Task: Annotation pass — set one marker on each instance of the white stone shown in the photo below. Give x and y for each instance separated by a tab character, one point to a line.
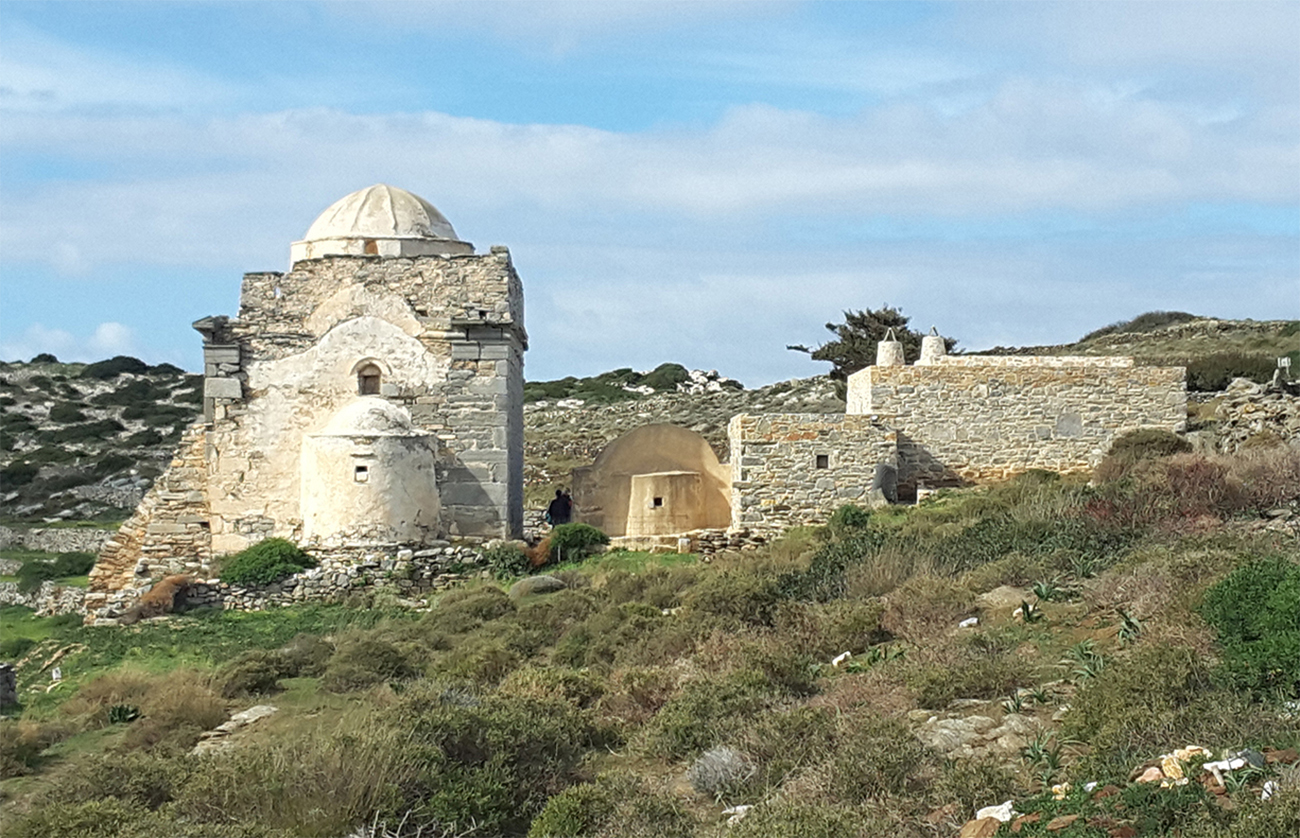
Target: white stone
1003	812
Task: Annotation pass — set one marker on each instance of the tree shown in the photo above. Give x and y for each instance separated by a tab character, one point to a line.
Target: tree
855	341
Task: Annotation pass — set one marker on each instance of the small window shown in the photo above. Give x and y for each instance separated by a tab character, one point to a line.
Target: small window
372	249
823	461
361	474
657	502
368	378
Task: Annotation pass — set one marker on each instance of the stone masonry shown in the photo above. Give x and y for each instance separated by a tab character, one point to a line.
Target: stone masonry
973	419
790	469
944	421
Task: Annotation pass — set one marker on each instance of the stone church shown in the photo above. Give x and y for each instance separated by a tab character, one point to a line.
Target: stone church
372	395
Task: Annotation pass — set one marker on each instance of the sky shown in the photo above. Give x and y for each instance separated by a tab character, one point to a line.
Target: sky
698	182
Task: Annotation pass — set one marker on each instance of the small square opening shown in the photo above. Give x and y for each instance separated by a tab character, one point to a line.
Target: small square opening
657	502
361	474
823	461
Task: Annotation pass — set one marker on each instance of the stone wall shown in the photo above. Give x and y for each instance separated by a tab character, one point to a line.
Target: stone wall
55	539
48	600
407	575
985	418
168	533
792	469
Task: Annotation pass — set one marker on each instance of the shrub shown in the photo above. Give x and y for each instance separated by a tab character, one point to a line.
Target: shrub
507	560
574	542
704	713
720	773
86	432
255	671
21	744
13	648
847	519
114	367
175	710
803	819
265	562
1148	322
876	756
66	412
364	662
926	605
1256	611
44	358
733	599
33	573
977	676
465	609
495	762
1212	373
306	655
972	783
17	474
577	812
613	807
578	687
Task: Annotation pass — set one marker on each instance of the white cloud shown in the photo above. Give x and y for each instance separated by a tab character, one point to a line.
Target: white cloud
108	339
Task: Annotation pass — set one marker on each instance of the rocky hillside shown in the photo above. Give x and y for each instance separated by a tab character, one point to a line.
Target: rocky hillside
84	441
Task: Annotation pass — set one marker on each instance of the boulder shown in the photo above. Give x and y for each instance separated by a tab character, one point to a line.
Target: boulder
536	585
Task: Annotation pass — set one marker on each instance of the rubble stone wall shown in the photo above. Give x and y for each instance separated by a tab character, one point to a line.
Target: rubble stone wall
55	539
168	533
986	418
793	469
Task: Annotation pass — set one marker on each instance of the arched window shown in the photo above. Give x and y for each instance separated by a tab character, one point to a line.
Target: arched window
368	379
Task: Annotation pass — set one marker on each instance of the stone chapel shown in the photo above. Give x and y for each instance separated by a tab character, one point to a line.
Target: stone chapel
372	395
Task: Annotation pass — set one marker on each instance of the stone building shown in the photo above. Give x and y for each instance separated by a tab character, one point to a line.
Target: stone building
944	421
372	394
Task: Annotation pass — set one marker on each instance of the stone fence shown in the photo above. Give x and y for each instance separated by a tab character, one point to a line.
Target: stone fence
407	575
48	600
55	539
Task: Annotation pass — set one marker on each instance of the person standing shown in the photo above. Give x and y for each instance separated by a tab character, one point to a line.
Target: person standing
561	509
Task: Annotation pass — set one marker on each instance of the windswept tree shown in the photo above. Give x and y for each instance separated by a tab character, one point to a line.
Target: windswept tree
854	346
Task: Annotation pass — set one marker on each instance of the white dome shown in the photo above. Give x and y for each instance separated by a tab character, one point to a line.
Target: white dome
380	220
381	211
370	416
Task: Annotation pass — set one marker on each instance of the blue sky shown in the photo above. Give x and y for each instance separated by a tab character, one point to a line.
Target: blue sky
698	182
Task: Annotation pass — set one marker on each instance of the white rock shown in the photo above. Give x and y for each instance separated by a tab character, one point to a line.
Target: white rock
1004	812
969	622
841	658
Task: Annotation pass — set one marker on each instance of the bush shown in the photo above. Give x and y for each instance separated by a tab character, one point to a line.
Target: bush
265	562
254	672
66	412
1256	611
114	367
802	819
364	662
977	676
465	609
33	573
1148	322
507	560
574	542
1212	373
703	714
17	474
21	744
613	807
877	756
13	648
86	432
494	762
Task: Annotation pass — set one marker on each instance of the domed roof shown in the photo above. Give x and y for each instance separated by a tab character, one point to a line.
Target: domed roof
381	211
370	416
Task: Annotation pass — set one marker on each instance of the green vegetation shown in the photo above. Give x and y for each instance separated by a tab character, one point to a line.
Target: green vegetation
1213	372
1148	322
114	367
608	386
854	346
573	542
267	561
41	567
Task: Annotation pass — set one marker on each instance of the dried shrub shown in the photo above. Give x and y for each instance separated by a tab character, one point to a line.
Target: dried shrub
703	714
161	599
721	773
637	693
255	672
792	818
91	702
175	710
465	609
21	744
972	675
578	687
1269	476
875	757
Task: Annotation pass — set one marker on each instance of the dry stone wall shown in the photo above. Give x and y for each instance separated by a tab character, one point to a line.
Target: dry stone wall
791	469
984	418
55	539
168	533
